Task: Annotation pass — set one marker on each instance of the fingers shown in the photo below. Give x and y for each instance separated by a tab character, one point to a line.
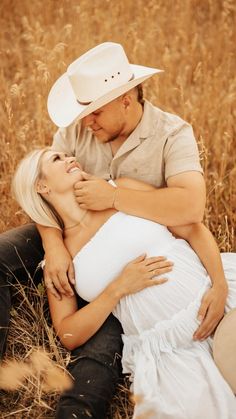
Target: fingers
81	198
71	273
203	310
79	193
78	188
59	283
50	287
87	176
153	259
207	326
159	268
140	258
153	266
210	313
158	281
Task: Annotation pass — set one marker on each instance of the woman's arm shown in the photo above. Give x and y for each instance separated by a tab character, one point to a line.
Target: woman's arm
74	327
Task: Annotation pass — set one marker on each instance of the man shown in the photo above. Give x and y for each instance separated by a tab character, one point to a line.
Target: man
114	133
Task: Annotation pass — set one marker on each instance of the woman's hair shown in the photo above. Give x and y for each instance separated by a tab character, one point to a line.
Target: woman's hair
24	184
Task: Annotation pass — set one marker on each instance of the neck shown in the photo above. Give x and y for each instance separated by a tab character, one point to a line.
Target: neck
135	117
69	210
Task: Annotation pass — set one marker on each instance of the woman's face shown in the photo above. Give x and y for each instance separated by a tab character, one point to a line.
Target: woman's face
59	172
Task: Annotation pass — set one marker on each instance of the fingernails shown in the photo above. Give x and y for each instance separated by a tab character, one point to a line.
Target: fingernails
200	318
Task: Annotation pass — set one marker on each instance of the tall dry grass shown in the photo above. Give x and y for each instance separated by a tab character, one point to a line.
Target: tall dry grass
192	40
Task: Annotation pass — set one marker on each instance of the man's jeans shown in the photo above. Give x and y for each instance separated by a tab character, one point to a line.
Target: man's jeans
95	365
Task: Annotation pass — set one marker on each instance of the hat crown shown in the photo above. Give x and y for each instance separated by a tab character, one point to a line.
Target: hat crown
98	71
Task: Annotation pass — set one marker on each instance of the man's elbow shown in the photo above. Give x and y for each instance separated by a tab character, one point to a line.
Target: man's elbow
195	207
196	215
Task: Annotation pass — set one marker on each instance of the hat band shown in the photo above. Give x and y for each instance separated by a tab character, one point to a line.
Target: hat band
88	103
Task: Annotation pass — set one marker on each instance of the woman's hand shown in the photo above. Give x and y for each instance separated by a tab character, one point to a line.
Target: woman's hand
59	271
141	273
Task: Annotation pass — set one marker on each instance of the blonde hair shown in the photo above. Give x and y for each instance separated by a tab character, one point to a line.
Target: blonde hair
24	190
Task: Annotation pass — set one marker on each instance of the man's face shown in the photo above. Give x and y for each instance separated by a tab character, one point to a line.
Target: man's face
107	123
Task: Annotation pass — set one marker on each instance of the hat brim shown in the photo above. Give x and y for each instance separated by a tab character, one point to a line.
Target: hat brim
224	348
63	108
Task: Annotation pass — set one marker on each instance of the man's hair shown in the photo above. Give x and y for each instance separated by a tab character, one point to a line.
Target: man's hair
24	186
140	98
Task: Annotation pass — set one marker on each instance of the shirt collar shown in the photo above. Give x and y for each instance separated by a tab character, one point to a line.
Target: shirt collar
148	121
144	130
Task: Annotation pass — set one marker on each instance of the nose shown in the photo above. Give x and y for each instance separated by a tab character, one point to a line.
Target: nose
70	159
88	120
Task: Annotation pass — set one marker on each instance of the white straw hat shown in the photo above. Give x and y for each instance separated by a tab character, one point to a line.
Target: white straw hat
224	348
96	78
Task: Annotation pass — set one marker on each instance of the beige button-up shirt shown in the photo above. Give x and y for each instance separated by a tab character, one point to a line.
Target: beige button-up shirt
162	145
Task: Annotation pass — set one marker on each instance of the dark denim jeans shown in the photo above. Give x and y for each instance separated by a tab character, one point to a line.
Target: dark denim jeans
95	366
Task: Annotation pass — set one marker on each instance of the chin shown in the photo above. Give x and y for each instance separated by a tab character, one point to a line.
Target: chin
101	137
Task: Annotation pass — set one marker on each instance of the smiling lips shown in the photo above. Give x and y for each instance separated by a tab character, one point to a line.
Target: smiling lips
73	168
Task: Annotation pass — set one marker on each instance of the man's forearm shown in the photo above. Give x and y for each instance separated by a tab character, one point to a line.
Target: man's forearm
203	243
181	202
170	206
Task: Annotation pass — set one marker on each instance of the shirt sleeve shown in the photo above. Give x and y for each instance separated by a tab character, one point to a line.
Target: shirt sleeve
181	152
65	139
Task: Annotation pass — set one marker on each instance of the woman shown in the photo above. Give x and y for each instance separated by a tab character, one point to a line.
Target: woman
173	375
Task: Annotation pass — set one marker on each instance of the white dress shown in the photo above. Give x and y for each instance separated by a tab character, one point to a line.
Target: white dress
172	375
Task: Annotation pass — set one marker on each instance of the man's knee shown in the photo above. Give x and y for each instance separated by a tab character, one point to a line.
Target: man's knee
93	388
20	249
105	346
96	369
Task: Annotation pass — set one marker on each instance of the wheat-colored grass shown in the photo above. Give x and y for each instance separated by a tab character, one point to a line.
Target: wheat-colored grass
192	40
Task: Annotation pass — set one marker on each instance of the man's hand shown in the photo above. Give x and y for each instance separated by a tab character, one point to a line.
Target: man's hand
59	272
94	194
211	311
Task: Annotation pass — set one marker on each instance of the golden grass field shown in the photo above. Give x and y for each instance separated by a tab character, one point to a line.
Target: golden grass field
192	40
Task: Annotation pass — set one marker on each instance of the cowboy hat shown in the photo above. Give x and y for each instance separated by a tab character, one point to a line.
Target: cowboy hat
224	348
96	78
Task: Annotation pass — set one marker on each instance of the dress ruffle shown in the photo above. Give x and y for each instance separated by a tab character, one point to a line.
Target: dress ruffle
174	377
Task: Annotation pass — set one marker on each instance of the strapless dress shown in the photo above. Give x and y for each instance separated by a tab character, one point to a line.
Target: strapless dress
172	375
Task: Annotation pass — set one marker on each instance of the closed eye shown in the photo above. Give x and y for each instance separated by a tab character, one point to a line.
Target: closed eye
59	156
56	157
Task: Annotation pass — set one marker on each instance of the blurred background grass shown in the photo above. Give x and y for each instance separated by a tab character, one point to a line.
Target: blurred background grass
192	40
